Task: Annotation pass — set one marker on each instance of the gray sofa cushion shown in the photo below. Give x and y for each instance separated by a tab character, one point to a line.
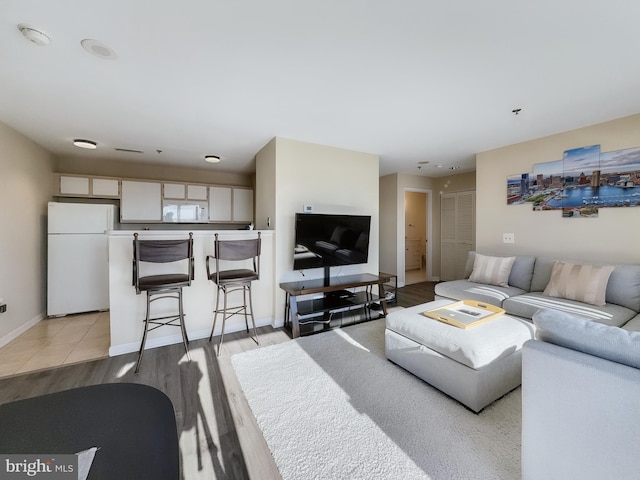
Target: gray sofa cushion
521	271
466	290
528	304
541	274
623	287
633	325
581	334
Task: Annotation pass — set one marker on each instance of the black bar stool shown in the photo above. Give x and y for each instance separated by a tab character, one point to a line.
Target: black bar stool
233	280
167	285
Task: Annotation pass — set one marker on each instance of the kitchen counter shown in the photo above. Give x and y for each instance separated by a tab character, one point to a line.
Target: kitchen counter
127	309
185	227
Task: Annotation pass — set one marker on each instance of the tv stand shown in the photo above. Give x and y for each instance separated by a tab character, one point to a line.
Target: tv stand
336	302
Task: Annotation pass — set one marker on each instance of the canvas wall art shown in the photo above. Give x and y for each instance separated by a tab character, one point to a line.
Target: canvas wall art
585	180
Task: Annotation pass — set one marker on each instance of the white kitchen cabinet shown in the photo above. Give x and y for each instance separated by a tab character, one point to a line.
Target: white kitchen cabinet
181	191
196	192
220	204
85	186
140	201
230	204
105	187
242	205
73	185
174	191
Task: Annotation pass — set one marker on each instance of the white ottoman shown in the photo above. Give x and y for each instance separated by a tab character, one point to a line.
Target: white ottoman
475	366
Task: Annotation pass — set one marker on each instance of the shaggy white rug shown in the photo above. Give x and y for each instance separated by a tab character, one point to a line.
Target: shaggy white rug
331	406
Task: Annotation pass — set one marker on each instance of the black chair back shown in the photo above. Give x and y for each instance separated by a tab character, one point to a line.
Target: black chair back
237	250
162	251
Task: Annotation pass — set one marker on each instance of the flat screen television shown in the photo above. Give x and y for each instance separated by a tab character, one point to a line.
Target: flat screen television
329	240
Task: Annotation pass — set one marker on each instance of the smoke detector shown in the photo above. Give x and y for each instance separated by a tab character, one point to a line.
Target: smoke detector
98	49
34	35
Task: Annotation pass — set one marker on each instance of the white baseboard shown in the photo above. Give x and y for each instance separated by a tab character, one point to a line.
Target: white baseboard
21	329
125	348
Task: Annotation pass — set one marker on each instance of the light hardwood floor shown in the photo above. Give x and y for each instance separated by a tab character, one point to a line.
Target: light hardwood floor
218	434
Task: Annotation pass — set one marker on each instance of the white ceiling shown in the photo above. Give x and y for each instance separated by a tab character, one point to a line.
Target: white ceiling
411	80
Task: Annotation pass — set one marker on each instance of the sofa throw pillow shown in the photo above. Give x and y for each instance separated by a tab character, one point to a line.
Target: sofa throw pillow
582	283
584	335
491	270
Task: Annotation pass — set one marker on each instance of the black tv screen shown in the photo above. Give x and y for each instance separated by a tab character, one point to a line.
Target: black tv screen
325	240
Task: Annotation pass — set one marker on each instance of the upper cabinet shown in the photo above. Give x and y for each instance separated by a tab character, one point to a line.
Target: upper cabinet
184	191
230	204
242	205
140	201
105	187
196	192
174	191
219	204
86	186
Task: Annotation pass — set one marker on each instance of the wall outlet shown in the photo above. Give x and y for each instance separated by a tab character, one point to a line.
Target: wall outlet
307	208
3	307
508	238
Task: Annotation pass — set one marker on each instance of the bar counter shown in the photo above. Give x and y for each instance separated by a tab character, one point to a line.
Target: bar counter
127	309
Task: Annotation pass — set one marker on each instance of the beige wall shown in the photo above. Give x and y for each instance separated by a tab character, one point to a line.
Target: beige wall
118	168
330	179
392	228
389	224
612	237
25	170
265	212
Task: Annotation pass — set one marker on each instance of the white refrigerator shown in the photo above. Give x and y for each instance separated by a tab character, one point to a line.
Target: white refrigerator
78	267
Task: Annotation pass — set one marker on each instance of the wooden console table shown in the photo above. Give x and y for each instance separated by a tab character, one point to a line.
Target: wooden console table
335	299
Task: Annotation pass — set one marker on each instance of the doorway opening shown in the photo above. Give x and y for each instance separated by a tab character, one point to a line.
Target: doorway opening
416	236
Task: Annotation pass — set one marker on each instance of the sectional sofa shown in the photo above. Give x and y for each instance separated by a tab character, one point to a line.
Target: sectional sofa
616	302
580	400
581	373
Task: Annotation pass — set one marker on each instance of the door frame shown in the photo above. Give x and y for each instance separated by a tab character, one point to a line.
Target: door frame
400	260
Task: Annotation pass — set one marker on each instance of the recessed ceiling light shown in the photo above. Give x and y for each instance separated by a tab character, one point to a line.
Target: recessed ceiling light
94	47
439	166
91	145
212	158
33	35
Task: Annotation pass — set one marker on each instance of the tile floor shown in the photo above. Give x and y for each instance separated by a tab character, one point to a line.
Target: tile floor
57	341
415	276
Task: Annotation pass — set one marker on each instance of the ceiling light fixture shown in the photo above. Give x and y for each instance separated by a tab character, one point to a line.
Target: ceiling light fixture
89	144
33	35
212	158
516	111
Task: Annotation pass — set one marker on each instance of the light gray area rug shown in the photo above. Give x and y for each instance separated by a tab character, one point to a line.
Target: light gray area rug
331	406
